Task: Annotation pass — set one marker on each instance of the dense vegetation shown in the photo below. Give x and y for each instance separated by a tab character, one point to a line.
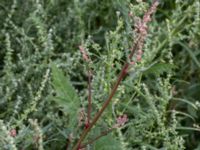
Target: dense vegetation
49	49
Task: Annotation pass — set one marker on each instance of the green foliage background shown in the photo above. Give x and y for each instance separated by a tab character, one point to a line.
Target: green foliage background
43	79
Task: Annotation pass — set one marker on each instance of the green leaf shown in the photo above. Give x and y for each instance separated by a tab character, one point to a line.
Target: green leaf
159	69
191	53
107	142
66	96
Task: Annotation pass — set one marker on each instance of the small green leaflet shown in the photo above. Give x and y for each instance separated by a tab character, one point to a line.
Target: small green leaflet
66	96
160	68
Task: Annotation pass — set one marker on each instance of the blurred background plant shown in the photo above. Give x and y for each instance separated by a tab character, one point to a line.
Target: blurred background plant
43	79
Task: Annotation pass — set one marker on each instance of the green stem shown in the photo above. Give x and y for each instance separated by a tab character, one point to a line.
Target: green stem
89	97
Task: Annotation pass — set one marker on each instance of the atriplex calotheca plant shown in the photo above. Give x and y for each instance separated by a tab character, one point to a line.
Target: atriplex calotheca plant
153	107
136	48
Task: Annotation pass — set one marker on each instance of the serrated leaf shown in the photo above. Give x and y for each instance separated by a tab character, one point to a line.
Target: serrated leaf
66	95
107	143
159	69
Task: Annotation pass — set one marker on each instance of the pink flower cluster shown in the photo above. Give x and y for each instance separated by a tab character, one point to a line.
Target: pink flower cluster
81	117
141	25
13	132
84	54
142	28
121	120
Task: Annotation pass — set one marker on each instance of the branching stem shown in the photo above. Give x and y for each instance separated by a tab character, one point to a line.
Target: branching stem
106	103
141	27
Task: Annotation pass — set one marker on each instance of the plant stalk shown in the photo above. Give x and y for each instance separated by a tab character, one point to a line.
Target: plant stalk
106	103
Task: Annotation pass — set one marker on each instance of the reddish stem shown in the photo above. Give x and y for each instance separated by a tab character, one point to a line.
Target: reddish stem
106	103
139	43
89	97
67	144
99	113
